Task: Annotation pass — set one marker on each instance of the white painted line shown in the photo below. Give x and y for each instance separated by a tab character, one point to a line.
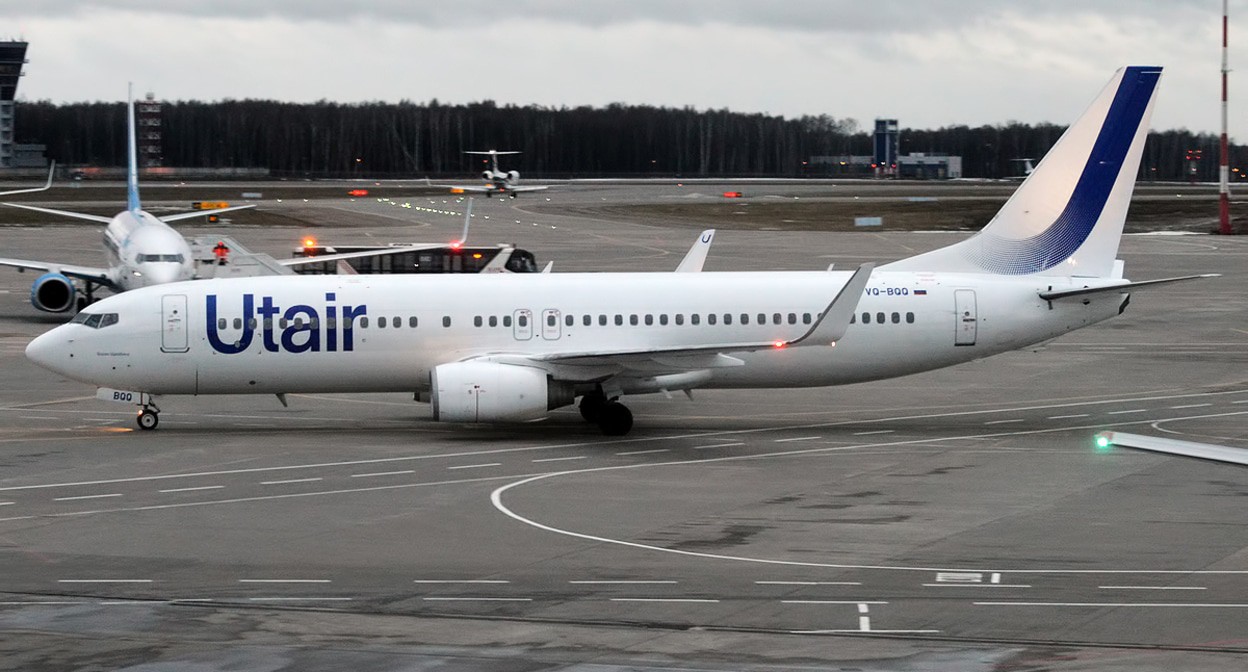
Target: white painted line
665	599
1241	401
53	602
1002	422
863	608
1152	587
808	583
720	445
283	581
36	417
623	582
70	499
1189	406
976	585
300	599
1067	417
643	452
1133	410
104	581
996	577
384	473
202	487
461	581
476	466
798	438
560	459
830	602
864	623
7	503
1156	605
117	603
959	577
839	632
876	431
477	599
292	480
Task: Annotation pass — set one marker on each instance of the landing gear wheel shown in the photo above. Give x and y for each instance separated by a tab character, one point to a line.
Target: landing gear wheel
615	419
591	406
148	419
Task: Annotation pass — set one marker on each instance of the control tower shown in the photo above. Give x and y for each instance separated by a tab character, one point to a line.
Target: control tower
12	58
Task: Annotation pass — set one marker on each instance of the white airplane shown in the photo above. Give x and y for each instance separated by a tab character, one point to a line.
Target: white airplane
487	348
496	181
141	249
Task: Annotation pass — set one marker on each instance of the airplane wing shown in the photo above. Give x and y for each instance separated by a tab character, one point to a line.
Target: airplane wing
98	276
1053	295
202	213
531	187
696	256
64	213
597	365
1201	451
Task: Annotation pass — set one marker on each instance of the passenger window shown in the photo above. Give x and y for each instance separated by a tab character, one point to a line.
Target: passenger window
727	318
268	324
587	319
680	319
619	320
476	321
806	318
521	321
776	318
632	319
649	320
220	322
330	322
381	323
696	319
506	320
551	320
569	321
315	323
493	320
896	318
663	319
745	318
251	323
866	318
602	320
446	320
411	322
792	318
909	318
762	319
238	323
710	318
299	322
879	317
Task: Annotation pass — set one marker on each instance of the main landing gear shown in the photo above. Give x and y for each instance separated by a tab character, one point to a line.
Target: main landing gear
610	415
149	414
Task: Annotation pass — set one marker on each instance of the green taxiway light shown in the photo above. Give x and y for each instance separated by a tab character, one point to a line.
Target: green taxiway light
1102	441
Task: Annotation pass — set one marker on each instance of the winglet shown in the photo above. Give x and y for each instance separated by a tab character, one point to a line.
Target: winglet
463	237
51	170
833	322
696	256
132	169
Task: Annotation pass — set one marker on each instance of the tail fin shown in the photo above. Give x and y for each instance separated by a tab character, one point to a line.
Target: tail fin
132	170
1066	218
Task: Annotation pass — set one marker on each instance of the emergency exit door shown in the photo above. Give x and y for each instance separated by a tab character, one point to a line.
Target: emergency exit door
965	317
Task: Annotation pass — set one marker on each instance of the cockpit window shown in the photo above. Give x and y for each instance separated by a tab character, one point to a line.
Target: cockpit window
176	258
95	320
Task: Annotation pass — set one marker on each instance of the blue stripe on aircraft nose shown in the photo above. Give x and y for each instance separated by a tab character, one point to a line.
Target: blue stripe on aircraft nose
1073	226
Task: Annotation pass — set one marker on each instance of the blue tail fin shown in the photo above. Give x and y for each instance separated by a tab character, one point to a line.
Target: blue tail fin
1066	218
132	170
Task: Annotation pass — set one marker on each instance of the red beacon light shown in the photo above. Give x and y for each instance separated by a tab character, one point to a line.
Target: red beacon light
456	244
780	345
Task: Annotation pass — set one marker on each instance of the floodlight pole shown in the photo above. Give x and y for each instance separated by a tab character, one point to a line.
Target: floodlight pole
1224	192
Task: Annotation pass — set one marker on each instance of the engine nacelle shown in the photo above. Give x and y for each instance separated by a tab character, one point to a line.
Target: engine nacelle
488	176
53	293
489	392
513	175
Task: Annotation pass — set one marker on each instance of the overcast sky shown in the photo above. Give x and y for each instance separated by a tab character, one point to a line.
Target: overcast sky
926	62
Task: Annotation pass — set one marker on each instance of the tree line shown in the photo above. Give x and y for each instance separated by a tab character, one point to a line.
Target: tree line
407	139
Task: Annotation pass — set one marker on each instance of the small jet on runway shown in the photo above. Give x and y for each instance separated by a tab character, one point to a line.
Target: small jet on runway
496	181
492	348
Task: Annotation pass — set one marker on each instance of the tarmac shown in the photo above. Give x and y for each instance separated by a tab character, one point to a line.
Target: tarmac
961	519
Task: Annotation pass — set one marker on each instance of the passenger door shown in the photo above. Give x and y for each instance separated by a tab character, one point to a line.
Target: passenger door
173	337
522	324
551	329
965	317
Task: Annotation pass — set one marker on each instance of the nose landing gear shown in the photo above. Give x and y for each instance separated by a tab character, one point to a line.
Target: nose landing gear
149	414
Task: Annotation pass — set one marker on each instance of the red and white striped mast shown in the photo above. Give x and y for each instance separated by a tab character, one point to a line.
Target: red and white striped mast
1224	192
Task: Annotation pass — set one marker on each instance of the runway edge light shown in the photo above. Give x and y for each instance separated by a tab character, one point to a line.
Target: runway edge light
1104	440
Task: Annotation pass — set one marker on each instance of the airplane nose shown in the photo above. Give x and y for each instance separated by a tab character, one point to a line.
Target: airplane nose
47	350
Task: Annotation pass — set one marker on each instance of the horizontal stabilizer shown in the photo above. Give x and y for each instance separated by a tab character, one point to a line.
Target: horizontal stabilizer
63	213
45	187
1122	287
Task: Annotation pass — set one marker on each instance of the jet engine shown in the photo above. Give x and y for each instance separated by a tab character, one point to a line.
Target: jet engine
53	293
513	175
488	176
490	392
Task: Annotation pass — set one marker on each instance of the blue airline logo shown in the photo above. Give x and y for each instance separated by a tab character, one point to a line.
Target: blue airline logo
306	330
